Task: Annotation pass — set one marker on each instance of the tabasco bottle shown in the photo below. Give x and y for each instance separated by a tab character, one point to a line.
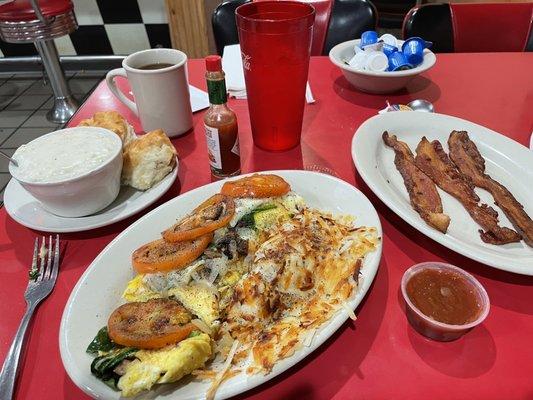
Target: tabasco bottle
221	129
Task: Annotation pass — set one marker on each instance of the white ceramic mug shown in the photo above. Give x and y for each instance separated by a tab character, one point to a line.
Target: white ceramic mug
162	98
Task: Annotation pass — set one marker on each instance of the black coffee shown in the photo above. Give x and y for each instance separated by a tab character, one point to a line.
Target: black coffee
156	66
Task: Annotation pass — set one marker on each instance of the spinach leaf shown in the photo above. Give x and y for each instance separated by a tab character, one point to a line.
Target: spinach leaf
101	342
103	366
247	221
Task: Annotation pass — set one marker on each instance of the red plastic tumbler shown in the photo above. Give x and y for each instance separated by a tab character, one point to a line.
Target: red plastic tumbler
275	38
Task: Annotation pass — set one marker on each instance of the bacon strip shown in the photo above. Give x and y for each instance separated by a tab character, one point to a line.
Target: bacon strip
466	156
431	158
422	191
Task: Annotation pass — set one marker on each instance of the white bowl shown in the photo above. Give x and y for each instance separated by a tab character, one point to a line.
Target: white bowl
376	82
84	194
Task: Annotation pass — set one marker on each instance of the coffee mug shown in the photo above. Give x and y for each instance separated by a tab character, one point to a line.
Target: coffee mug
162	99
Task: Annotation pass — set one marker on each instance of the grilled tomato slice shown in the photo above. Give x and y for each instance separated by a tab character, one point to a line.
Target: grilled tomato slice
161	256
152	324
257	185
212	214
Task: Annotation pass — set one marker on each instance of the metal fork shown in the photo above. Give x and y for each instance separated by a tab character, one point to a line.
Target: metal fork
42	278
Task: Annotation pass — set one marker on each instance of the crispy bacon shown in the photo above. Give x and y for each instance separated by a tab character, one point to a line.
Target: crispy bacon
422	191
466	156
432	159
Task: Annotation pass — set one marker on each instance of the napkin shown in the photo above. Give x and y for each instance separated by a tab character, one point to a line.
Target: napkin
232	66
199	99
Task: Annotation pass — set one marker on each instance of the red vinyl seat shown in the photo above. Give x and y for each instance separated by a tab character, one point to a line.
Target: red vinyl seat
21	10
473	27
491	27
40	22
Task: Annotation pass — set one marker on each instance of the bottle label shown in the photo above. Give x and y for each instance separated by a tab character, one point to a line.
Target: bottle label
213	147
217	91
235	148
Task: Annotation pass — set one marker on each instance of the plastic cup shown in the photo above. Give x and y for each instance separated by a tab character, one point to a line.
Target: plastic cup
368	37
275	38
413	49
376	61
389	39
389	49
398	62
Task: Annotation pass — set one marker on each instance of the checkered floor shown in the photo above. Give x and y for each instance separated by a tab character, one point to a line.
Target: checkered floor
24	102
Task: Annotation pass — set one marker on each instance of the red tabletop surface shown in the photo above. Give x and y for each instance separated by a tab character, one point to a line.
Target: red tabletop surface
380	356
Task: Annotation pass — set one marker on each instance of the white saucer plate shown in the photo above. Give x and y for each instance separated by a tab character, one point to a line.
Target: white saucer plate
27	211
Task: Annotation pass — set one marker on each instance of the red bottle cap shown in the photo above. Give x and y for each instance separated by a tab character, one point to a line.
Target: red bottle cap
213	63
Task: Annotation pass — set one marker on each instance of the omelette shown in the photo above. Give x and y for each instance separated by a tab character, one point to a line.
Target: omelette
273	271
164	365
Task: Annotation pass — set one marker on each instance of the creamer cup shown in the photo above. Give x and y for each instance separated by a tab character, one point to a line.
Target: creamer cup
388	49
389	39
413	49
358	60
368	37
376	61
378	46
398	62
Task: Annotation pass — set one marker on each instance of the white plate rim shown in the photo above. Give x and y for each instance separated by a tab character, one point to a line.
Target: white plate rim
163	186
412	218
370	267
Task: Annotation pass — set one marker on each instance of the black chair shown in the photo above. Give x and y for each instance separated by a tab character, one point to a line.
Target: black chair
432	22
392	12
348	19
224	25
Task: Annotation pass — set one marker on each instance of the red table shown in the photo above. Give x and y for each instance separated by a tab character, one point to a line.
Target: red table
380	356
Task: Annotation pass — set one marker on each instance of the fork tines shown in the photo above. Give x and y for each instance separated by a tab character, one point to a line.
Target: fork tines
48	266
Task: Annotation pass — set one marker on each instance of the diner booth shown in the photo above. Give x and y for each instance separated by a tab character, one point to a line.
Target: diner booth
266	199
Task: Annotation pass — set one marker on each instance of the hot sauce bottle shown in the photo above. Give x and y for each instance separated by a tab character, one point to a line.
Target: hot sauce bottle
221	129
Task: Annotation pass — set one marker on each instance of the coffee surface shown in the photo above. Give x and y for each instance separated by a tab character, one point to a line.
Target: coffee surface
155	66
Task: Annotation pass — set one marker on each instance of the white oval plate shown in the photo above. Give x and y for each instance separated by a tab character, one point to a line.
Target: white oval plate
27	211
98	292
507	161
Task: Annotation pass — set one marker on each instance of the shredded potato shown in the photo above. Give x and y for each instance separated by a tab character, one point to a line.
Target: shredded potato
304	271
221	374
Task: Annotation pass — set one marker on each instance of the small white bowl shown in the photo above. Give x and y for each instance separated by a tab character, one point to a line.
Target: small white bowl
376	82
84	194
432	328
